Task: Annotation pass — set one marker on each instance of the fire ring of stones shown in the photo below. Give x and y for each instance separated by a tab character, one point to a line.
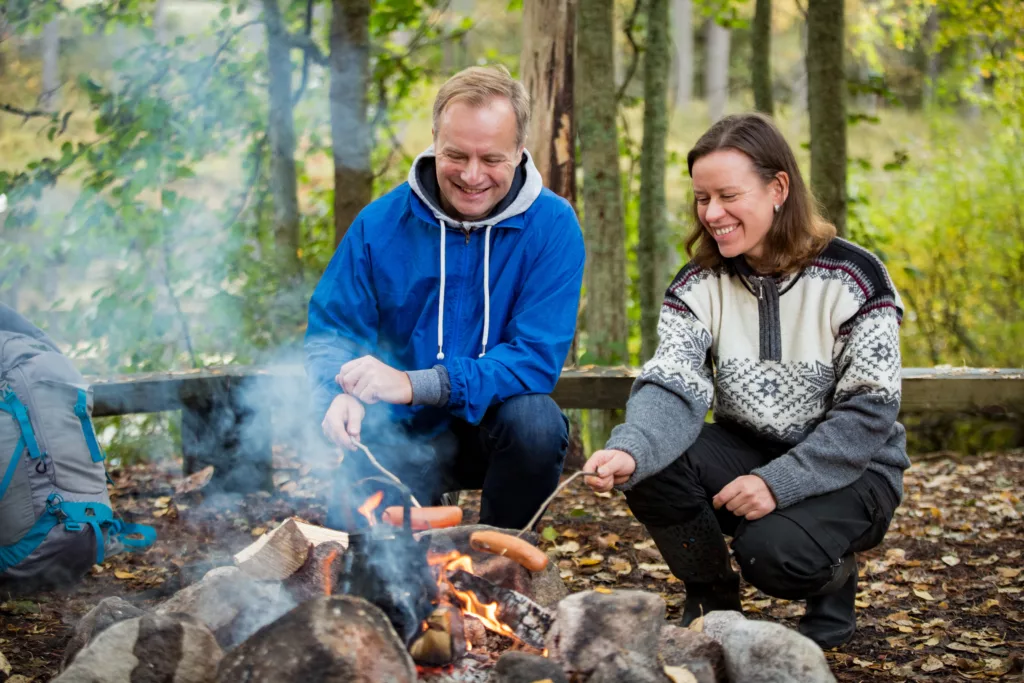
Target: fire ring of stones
311	604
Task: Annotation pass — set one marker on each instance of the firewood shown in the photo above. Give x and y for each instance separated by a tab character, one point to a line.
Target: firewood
280	552
528	621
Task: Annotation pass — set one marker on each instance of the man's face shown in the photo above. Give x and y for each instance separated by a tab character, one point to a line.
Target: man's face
477	157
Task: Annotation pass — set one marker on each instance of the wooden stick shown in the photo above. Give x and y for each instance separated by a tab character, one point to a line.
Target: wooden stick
392	477
558	490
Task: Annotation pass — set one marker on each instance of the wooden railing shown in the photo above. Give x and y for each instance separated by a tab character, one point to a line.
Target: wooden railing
224	425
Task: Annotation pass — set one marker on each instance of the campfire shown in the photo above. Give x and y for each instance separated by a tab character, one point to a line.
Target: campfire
430	596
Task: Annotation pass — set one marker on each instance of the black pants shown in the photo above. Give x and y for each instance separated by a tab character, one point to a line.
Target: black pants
514	456
787	554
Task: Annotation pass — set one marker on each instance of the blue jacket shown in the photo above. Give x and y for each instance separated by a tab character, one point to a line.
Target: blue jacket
467	343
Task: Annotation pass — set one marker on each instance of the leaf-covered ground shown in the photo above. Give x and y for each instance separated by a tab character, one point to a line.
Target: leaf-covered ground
942	599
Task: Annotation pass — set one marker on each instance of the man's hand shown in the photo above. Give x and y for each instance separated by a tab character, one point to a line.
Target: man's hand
747	496
371	381
613	467
343	421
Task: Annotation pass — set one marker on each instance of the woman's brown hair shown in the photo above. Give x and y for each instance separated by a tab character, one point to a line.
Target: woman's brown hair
798	233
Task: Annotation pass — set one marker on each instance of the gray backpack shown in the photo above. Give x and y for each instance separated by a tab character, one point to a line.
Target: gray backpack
55	516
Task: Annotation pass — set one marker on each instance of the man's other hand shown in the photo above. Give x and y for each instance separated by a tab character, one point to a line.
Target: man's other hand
371	381
612	467
747	496
343	421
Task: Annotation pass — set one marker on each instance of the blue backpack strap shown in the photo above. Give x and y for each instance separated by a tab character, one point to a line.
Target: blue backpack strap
16	553
17	408
9	474
82	411
126	529
99	516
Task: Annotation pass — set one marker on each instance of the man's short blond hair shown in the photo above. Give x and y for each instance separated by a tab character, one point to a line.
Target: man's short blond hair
478	85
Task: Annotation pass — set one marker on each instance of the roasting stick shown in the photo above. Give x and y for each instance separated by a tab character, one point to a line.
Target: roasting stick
544	505
373	461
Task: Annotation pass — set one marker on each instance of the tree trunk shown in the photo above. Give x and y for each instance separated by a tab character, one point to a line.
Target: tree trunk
931	59
800	81
826	82
653	224
761	62
50	82
716	80
350	130
546	69
281	131
160	21
603	224
682	39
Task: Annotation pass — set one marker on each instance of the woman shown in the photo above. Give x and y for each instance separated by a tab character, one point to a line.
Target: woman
795	333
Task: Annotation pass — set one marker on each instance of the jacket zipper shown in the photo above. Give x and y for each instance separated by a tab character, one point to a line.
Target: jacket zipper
769	325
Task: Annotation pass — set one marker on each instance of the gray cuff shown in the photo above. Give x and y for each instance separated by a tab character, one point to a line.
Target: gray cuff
786	488
430	387
629	439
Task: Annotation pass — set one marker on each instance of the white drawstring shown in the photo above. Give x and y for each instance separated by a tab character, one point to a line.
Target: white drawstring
487	289
487	294
440	302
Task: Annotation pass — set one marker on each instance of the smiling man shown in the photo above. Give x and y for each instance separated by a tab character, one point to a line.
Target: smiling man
441	324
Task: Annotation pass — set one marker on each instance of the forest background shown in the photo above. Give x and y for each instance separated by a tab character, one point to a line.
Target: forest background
177	173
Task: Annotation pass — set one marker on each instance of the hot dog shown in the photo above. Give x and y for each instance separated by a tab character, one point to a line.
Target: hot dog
438	517
511	547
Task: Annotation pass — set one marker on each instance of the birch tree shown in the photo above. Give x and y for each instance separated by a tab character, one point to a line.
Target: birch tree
826	83
682	42
716	78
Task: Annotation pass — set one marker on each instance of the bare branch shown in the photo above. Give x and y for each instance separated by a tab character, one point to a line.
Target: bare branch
27	113
307	45
305	56
628	30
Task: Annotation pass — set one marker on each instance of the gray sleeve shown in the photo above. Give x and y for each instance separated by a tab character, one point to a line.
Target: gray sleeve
659	427
864	410
671	396
430	387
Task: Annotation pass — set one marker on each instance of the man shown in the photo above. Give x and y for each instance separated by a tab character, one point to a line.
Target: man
451	304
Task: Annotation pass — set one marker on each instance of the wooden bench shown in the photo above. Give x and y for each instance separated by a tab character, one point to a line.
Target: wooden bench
227	412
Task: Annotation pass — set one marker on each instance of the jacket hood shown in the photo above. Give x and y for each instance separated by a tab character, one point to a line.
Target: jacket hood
527	194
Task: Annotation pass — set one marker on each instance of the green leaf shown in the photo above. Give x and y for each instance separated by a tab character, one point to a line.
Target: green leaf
549	533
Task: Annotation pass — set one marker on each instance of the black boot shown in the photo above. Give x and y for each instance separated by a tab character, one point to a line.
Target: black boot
831	616
696	554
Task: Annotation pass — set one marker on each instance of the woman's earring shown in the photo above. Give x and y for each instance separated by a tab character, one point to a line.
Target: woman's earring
777	207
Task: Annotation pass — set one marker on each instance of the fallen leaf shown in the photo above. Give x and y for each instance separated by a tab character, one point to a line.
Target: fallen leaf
5	666
680	674
924	595
162	502
121	574
931	664
951	560
568	548
194	481
1008	573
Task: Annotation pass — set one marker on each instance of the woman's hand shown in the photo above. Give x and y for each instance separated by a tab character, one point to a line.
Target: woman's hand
747	496
612	467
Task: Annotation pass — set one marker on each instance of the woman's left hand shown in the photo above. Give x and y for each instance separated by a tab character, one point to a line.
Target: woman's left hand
747	496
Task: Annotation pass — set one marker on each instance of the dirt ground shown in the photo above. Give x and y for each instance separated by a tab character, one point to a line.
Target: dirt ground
942	599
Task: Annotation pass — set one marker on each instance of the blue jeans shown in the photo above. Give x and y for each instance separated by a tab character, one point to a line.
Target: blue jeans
515	456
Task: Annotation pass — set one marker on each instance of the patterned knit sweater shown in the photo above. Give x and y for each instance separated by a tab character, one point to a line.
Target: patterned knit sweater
811	360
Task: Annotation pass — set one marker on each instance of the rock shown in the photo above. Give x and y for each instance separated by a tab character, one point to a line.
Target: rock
166	647
766	652
626	667
337	639
591	627
231	604
520	667
108	612
697	652
547	586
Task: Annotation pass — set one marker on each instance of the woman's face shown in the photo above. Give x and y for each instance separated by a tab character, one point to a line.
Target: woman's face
733	203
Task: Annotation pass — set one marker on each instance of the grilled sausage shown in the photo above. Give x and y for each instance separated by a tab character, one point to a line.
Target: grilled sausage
514	548
437	517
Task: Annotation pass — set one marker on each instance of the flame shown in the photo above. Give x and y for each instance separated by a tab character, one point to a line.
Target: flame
328	575
369	505
486	613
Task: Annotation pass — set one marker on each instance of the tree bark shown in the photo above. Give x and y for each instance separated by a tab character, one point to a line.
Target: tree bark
931	59
546	67
651	250
716	80
281	132
350	130
826	81
682	39
160	21
761	62
603	225
50	82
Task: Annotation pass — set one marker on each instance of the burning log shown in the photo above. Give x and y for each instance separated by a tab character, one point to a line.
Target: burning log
319	575
524	619
444	641
279	553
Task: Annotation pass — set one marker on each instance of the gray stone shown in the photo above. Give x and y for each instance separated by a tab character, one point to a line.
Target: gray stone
520	667
230	603
702	655
591	627
627	667
108	612
766	652
337	639
153	647
547	586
